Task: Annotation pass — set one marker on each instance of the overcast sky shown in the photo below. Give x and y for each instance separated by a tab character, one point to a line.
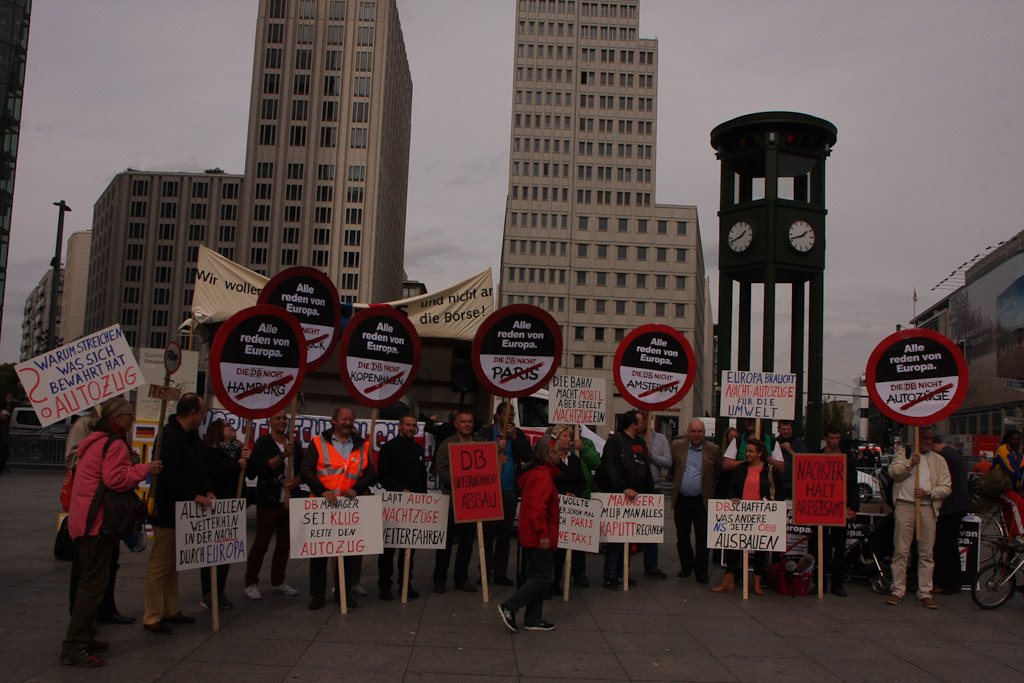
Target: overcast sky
926	96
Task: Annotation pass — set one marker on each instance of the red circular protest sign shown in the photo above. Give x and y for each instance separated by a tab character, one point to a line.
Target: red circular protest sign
654	367
172	358
380	355
516	350
917	377
312	298
258	361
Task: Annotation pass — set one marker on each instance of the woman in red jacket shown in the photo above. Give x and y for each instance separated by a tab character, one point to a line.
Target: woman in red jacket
538	531
104	459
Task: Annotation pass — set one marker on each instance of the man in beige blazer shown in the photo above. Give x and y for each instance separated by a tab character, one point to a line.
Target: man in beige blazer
696	466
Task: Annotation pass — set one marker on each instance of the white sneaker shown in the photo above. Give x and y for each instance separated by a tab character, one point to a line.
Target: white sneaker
253	592
284	589
358	589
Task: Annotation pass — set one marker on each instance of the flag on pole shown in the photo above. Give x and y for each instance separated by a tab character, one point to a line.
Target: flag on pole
915	295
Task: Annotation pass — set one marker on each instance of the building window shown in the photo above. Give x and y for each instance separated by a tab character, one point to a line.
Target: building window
364	35
226	233
620	308
581	305
358	140
680	227
598	362
297	136
335	34
680	310
577	360
258	256
361	86
140	188
680	256
268	134
229	191
680	282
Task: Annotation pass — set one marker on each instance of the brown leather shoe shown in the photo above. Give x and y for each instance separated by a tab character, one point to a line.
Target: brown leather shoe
467	586
757	585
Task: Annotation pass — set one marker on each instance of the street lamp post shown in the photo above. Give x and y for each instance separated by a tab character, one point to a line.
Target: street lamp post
51	329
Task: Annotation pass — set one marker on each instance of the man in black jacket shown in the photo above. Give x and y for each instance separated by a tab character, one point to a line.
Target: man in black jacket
513	454
624	469
400	467
948	578
835	536
276	459
183	478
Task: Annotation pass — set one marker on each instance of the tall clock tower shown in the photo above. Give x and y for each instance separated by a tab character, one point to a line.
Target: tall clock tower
772	232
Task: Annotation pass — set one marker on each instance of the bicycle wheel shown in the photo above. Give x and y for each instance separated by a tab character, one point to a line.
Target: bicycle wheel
993	587
991	530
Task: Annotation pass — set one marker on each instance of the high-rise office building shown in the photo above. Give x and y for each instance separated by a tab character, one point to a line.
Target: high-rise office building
72	286
14	20
325	184
584	238
327	161
146	232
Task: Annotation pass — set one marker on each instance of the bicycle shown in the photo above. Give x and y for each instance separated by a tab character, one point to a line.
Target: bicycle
996	582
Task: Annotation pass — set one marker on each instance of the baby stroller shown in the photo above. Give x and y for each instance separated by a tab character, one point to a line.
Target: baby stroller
871	554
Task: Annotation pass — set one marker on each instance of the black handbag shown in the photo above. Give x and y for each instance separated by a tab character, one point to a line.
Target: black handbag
123	511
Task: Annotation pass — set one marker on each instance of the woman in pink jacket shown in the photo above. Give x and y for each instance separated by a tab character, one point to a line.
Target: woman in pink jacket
103	458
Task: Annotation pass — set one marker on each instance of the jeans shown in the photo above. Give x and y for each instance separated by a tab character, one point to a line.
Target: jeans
539	575
613	563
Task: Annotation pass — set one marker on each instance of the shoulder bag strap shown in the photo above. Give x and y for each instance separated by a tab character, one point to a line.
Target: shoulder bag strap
100	489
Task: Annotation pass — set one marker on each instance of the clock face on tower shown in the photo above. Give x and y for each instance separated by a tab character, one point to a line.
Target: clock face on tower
741	234
801	236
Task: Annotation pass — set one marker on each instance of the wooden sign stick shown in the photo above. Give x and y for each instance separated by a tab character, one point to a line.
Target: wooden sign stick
565	575
917	485
405	575
290	474
341	585
215	606
483	560
821	562
746	578
150	497
248	440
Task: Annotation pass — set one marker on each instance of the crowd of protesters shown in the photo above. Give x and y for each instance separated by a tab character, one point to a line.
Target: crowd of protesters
930	477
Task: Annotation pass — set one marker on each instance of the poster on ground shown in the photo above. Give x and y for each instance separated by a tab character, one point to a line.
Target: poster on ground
207	536
640	520
414	520
351	526
579	524
763	395
79	375
747	525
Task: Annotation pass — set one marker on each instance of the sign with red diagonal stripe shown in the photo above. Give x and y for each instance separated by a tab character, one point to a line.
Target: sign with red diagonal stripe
258	361
312	298
380	354
654	367
516	350
917	377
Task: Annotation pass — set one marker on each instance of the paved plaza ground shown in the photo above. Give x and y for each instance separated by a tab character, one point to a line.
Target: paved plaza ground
666	630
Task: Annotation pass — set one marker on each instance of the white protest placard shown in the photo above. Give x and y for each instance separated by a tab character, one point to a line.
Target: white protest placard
414	520
579	524
764	395
352	526
204	536
79	375
576	400
641	520
747	525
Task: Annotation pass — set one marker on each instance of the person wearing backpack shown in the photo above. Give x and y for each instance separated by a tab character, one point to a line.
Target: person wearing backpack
104	462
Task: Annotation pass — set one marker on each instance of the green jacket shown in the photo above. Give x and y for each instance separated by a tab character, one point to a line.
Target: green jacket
591	460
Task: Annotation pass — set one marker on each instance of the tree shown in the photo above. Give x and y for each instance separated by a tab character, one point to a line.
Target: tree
832	413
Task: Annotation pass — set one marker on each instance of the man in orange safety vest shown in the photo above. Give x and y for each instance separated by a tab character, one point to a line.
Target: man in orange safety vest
337	463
